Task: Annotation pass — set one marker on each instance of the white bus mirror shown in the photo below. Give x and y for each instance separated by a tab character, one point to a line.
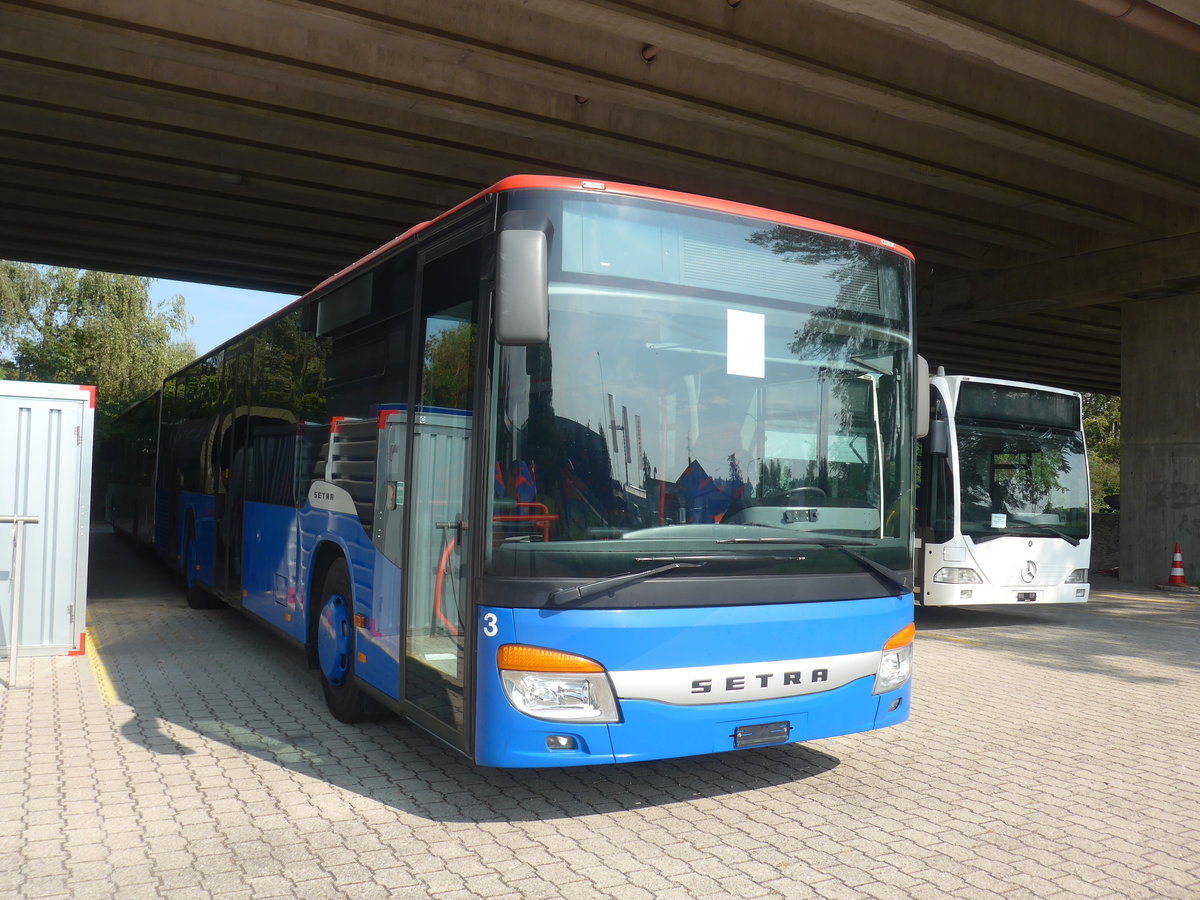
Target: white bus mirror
522	309
921	389
939	437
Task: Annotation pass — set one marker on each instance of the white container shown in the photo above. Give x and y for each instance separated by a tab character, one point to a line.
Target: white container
46	433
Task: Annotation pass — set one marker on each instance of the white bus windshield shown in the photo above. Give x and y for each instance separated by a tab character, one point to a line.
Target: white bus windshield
1022	464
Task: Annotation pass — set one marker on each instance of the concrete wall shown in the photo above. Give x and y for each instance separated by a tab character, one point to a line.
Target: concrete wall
1106	541
1160	438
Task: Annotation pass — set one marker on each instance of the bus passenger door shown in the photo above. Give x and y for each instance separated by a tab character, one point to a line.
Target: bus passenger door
437	612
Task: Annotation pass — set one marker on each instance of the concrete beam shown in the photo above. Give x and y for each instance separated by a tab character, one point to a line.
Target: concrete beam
1084	280
450	63
727	44
1007	51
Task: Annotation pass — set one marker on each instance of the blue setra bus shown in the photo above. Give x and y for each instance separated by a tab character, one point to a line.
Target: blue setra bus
575	473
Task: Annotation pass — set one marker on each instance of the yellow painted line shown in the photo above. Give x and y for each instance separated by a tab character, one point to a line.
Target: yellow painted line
103	680
954	640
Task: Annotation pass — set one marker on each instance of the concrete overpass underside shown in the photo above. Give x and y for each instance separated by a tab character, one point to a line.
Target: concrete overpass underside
1040	159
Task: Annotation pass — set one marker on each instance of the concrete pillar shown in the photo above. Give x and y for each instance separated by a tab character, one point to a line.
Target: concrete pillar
1160	438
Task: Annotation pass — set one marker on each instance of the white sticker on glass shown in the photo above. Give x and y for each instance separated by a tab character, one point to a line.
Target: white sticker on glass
746	341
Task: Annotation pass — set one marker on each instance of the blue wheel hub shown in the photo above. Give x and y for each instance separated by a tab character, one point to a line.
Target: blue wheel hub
333	640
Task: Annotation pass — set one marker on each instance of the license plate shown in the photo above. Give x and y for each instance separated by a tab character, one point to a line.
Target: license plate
1026	596
765	733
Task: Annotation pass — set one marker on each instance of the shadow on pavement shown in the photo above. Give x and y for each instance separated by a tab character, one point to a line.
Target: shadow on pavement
1136	634
192	679
954	617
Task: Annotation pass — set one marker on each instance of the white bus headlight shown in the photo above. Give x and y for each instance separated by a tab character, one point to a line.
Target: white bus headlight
949	575
895	667
561	698
1079	576
559	687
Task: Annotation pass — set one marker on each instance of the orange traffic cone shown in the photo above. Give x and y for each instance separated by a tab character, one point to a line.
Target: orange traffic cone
1177	579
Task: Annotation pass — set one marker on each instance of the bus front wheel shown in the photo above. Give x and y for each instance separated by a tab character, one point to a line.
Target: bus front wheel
335	648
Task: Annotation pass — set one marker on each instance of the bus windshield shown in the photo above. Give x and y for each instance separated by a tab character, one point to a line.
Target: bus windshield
1022	464
1022	479
711	382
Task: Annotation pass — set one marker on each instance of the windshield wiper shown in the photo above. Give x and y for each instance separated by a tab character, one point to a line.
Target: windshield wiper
691	561
701	559
989	536
888	577
605	585
1009	531
812	541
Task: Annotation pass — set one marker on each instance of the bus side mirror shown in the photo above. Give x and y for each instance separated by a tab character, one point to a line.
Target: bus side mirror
522	308
939	437
921	425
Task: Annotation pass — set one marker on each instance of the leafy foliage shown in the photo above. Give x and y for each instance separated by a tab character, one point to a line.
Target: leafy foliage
448	367
1102	429
76	326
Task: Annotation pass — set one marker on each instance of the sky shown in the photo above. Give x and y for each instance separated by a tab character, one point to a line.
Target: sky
219	312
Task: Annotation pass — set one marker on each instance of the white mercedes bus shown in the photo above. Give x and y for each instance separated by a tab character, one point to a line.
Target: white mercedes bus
1003	495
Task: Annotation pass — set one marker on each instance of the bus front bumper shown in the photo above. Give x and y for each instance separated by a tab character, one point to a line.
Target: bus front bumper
650	730
996	594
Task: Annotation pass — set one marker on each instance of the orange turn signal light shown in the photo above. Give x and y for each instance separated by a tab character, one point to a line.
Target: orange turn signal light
523	658
902	638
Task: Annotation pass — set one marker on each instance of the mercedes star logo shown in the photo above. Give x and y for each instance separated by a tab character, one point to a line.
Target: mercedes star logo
1029	572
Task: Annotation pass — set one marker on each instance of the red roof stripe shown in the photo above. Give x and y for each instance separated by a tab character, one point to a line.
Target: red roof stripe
554	182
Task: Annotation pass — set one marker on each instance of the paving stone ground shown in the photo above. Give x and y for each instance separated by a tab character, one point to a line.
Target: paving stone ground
1052	753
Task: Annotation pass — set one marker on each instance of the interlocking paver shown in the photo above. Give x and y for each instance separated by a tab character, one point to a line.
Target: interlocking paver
1051	753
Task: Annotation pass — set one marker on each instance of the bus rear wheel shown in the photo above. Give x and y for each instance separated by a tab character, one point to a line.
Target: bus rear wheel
197	597
335	649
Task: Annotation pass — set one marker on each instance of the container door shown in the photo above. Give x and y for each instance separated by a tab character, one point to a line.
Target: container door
437	612
41	474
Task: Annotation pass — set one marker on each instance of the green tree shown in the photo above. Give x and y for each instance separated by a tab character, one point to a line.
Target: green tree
1102	430
76	326
448	367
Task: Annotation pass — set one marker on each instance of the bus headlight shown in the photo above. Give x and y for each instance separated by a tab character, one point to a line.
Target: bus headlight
895	667
949	575
1079	576
556	686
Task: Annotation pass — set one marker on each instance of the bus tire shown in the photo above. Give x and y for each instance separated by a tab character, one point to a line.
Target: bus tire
197	597
335	648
